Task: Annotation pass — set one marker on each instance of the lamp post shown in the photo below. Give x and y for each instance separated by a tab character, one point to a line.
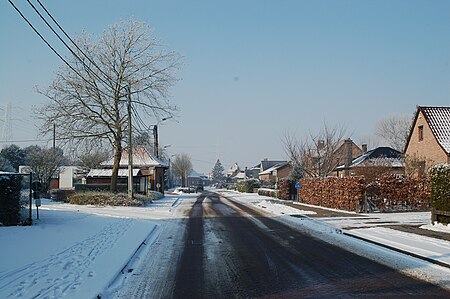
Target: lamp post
156	150
155	136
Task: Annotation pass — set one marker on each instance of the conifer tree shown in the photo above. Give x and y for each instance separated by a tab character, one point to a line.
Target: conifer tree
217	175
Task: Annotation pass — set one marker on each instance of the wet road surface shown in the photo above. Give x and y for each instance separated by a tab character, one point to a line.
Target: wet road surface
233	251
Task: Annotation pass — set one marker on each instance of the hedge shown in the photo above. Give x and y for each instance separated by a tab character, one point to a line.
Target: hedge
440	192
268	192
247	186
10	186
386	193
99	187
106	199
60	194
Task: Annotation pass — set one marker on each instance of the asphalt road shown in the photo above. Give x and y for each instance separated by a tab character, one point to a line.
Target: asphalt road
233	251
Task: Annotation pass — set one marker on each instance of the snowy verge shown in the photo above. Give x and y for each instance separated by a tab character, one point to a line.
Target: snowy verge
68	253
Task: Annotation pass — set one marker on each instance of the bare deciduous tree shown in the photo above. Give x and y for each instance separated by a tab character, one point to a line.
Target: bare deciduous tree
89	100
93	159
394	129
44	163
182	167
315	156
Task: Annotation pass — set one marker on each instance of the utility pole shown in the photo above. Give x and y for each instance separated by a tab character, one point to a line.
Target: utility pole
54	137
155	141
130	148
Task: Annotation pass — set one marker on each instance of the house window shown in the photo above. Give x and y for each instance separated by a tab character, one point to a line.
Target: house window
420	133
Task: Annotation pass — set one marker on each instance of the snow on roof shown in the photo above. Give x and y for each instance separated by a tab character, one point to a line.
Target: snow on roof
7	172
240	175
266	164
195	174
141	158
438	118
381	156
275	167
108	172
234	168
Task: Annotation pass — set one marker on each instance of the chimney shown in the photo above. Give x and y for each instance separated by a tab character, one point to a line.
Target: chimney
364	148
320	145
348	152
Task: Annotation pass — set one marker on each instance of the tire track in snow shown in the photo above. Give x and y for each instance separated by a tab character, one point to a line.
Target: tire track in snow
63	271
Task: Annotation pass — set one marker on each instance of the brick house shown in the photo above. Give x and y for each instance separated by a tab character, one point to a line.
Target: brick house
428	143
374	163
276	172
334	155
148	171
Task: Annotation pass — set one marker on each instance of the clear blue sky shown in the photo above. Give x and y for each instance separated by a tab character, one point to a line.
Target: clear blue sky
254	70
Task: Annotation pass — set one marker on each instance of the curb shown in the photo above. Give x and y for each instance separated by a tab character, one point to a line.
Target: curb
427	259
112	285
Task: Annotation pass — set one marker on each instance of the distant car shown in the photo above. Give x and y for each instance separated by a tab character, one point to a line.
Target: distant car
199	188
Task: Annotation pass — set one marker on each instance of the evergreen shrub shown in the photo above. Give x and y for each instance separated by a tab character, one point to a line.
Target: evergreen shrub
247	186
440	190
10	186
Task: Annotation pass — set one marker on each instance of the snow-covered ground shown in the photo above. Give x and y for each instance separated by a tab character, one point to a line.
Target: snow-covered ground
78	251
74	251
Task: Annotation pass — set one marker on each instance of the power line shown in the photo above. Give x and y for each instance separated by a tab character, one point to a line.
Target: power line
26	140
67	46
57	24
53	49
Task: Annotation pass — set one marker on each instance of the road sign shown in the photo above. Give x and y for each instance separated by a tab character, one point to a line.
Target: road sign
297	186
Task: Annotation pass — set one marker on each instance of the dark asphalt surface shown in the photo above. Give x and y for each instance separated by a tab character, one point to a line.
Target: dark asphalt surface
233	251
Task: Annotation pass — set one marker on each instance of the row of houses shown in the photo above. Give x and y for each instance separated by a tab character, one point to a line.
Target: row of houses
428	144
148	173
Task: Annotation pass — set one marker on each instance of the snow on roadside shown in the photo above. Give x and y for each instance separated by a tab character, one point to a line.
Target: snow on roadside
282	209
73	251
437	227
433	248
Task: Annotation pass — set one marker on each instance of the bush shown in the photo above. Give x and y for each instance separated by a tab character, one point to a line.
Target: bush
60	194
10	186
100	187
440	191
107	199
247	186
268	192
287	189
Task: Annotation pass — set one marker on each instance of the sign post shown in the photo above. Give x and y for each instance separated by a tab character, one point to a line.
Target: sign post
37	201
297	186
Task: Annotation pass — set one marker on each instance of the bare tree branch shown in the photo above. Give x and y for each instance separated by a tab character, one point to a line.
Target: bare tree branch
394	129
94	107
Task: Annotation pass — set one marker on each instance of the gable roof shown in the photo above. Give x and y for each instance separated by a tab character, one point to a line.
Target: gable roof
381	156
438	118
335	147
266	164
233	169
141	158
275	167
107	173
385	154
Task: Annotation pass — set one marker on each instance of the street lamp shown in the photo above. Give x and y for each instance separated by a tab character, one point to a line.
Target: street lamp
155	136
